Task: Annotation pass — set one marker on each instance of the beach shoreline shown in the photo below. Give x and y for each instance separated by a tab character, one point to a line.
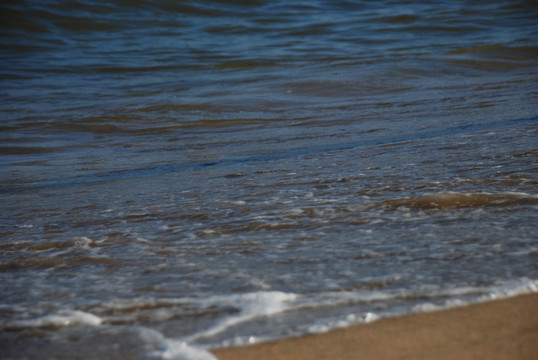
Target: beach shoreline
498	329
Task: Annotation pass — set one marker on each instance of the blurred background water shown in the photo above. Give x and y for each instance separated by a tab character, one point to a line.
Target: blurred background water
211	173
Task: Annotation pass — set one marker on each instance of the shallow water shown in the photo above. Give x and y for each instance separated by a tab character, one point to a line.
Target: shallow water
183	175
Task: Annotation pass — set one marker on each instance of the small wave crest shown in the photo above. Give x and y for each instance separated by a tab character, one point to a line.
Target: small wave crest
251	305
62	319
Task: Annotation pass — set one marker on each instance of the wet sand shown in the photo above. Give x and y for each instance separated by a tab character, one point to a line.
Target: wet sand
501	329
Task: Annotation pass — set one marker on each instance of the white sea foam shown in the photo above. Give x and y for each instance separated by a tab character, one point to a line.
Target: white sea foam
170	349
268	303
61	319
479	294
348	297
179	350
512	288
251	305
459	296
350	319
82	242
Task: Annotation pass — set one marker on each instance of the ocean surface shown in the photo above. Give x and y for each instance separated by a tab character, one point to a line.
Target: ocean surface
183	175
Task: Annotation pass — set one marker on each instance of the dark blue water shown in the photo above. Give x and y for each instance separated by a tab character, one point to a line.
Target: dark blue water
180	175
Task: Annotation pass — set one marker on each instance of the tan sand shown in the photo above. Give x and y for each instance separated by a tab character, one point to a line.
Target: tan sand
501	329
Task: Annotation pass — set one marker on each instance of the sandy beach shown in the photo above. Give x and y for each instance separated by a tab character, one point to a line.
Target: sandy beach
501	329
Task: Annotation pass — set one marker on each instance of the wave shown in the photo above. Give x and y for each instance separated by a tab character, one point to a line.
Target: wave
167	168
92	326
56	321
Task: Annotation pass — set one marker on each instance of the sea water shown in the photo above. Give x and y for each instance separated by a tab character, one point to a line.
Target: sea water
183	175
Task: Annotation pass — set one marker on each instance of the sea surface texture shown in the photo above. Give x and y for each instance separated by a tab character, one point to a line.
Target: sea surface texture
183	175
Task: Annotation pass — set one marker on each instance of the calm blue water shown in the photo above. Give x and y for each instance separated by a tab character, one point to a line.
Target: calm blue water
184	175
